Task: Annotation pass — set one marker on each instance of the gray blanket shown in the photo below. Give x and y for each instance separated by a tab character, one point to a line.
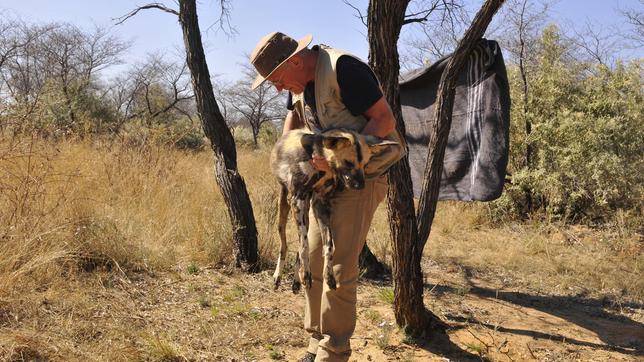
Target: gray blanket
477	149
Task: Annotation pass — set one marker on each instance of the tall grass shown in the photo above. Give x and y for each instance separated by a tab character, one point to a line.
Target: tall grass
70	206
82	221
75	207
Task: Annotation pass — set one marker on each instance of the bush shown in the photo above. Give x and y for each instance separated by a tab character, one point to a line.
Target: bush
182	134
269	133
243	136
587	128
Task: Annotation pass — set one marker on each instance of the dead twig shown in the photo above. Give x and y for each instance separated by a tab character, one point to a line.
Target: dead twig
487	347
530	349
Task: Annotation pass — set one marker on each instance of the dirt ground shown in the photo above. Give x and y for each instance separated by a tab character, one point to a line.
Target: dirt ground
211	315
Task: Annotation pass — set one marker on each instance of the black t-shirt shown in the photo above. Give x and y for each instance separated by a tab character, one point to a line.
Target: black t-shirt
359	88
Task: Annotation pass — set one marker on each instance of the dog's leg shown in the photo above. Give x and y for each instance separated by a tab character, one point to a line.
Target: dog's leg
297	284
322	210
283	208
300	205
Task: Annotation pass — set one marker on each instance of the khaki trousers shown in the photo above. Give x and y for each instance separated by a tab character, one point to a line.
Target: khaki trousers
330	315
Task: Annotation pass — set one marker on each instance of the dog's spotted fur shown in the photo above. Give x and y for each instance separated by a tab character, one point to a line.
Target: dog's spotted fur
347	153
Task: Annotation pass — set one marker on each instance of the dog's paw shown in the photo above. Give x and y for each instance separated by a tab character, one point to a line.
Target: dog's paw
296	286
330	281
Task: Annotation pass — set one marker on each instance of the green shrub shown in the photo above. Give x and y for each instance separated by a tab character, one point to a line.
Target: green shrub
587	128
269	133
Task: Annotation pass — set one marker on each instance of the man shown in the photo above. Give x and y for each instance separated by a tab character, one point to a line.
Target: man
332	89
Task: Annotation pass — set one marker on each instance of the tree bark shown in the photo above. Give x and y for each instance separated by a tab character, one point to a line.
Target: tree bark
385	20
410	233
230	182
528	124
443	116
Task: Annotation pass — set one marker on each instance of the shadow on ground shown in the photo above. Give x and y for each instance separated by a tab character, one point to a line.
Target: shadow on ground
619	333
440	344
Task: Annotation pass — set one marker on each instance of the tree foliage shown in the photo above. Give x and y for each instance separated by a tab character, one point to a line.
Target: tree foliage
52	84
586	136
50	76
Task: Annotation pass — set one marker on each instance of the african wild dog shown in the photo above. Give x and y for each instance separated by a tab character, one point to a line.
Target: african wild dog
347	152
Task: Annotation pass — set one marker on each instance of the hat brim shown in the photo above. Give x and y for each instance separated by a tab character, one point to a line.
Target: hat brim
301	44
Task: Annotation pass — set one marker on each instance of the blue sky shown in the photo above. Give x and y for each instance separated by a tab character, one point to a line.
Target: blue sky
330	21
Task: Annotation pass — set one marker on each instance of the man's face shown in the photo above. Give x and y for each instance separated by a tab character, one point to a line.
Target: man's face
286	76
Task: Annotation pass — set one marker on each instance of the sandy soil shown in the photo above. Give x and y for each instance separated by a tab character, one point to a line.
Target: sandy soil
488	322
216	316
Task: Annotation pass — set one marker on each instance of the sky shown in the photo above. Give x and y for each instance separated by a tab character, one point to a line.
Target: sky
330	21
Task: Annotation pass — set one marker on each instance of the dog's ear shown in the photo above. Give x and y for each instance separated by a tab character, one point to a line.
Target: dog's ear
335	142
307	141
377	144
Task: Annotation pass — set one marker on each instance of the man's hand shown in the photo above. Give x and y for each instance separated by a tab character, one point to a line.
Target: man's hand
319	163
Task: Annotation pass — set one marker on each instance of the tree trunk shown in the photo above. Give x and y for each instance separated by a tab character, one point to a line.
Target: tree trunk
255	130
528	124
385	20
229	180
443	116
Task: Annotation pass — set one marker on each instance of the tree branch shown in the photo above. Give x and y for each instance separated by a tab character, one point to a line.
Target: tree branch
411	18
443	112
122	19
447	6
224	19
359	16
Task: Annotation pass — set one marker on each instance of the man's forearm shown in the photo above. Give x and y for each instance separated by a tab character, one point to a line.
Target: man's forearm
291	122
381	120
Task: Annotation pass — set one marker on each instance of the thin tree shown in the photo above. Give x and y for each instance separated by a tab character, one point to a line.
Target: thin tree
410	231
385	20
263	105
437	11
230	182
150	90
635	18
524	20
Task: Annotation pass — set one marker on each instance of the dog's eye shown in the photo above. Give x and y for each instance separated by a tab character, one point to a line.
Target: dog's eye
349	164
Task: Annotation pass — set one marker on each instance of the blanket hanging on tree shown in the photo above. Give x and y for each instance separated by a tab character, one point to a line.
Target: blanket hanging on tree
476	155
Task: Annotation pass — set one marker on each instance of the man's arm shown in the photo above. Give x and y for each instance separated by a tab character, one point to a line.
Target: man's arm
380	123
381	120
291	122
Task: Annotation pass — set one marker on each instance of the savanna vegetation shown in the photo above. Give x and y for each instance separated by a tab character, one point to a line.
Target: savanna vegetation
115	242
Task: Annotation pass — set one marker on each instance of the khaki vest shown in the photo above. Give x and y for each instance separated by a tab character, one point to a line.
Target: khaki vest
332	113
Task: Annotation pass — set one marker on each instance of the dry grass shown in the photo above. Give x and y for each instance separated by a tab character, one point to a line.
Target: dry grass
87	206
543	257
82	206
91	232
548	258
